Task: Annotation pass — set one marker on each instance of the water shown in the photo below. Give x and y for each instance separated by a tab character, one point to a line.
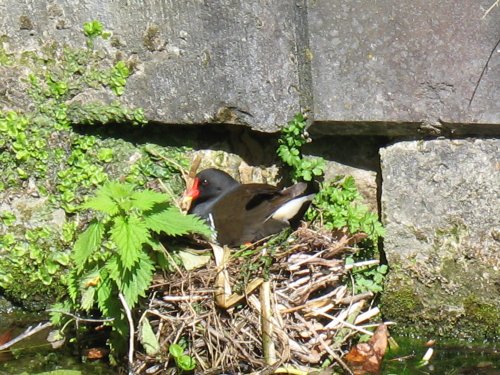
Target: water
460	359
37	357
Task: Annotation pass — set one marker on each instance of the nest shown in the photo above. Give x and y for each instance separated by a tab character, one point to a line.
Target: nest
266	310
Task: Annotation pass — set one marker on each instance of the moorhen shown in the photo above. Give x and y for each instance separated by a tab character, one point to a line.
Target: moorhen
243	213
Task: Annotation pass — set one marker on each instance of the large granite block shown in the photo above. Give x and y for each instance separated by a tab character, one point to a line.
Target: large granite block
441	210
228	61
405	67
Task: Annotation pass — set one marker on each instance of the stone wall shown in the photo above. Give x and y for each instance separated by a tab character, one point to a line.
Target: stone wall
396	69
359	67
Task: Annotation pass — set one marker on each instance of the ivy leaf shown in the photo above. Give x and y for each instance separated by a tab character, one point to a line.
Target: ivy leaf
174	223
87	243
129	234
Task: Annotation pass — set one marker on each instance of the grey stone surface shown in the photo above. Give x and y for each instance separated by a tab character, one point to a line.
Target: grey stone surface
441	209
198	61
404	67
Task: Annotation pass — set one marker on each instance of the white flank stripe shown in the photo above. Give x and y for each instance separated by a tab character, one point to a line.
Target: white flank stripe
290	209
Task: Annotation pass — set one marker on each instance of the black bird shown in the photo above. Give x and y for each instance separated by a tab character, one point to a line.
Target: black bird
242	213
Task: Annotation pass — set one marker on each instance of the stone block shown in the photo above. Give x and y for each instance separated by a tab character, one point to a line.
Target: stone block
198	62
441	209
405	67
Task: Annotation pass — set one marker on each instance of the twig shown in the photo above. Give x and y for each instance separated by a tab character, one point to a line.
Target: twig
27	333
364	263
268	347
355	298
347	324
184	298
367	315
335	356
490	9
131	328
79	319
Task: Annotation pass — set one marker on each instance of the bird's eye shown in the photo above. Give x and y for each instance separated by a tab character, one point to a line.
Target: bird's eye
204	182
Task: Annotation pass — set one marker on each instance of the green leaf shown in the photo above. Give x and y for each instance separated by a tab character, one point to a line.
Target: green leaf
92	29
148	338
145	200
107	298
129	234
186	362
191	261
174	223
87	298
175	350
102	202
136	282
118	190
87	243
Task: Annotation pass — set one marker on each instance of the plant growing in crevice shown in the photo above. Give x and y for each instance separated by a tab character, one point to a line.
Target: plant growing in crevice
293	137
119	250
337	205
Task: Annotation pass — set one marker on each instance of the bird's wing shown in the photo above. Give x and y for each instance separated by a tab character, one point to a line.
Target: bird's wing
244	213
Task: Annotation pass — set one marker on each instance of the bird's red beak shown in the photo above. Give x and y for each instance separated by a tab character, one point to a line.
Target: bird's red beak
190	195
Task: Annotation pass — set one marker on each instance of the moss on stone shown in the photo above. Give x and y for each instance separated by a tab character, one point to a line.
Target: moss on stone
25	23
483	318
400	302
151	38
43	156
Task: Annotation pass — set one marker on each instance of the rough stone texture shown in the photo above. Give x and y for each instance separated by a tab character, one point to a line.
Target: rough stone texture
441	209
352	156
386	67
198	62
404	67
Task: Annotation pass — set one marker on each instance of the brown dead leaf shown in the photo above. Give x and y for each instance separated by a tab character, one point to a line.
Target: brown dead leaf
6	336
96	353
366	358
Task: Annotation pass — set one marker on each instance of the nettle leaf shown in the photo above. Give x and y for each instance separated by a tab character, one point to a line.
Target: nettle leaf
146	199
102	202
87	298
136	281
73	285
107	298
87	243
129	234
174	223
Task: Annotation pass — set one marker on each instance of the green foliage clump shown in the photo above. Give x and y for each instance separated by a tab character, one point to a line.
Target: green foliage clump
39	257
337	205
40	153
99	114
183	361
93	29
293	137
119	250
24	149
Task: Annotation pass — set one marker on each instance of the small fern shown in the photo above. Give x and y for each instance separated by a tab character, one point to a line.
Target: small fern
293	137
117	251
